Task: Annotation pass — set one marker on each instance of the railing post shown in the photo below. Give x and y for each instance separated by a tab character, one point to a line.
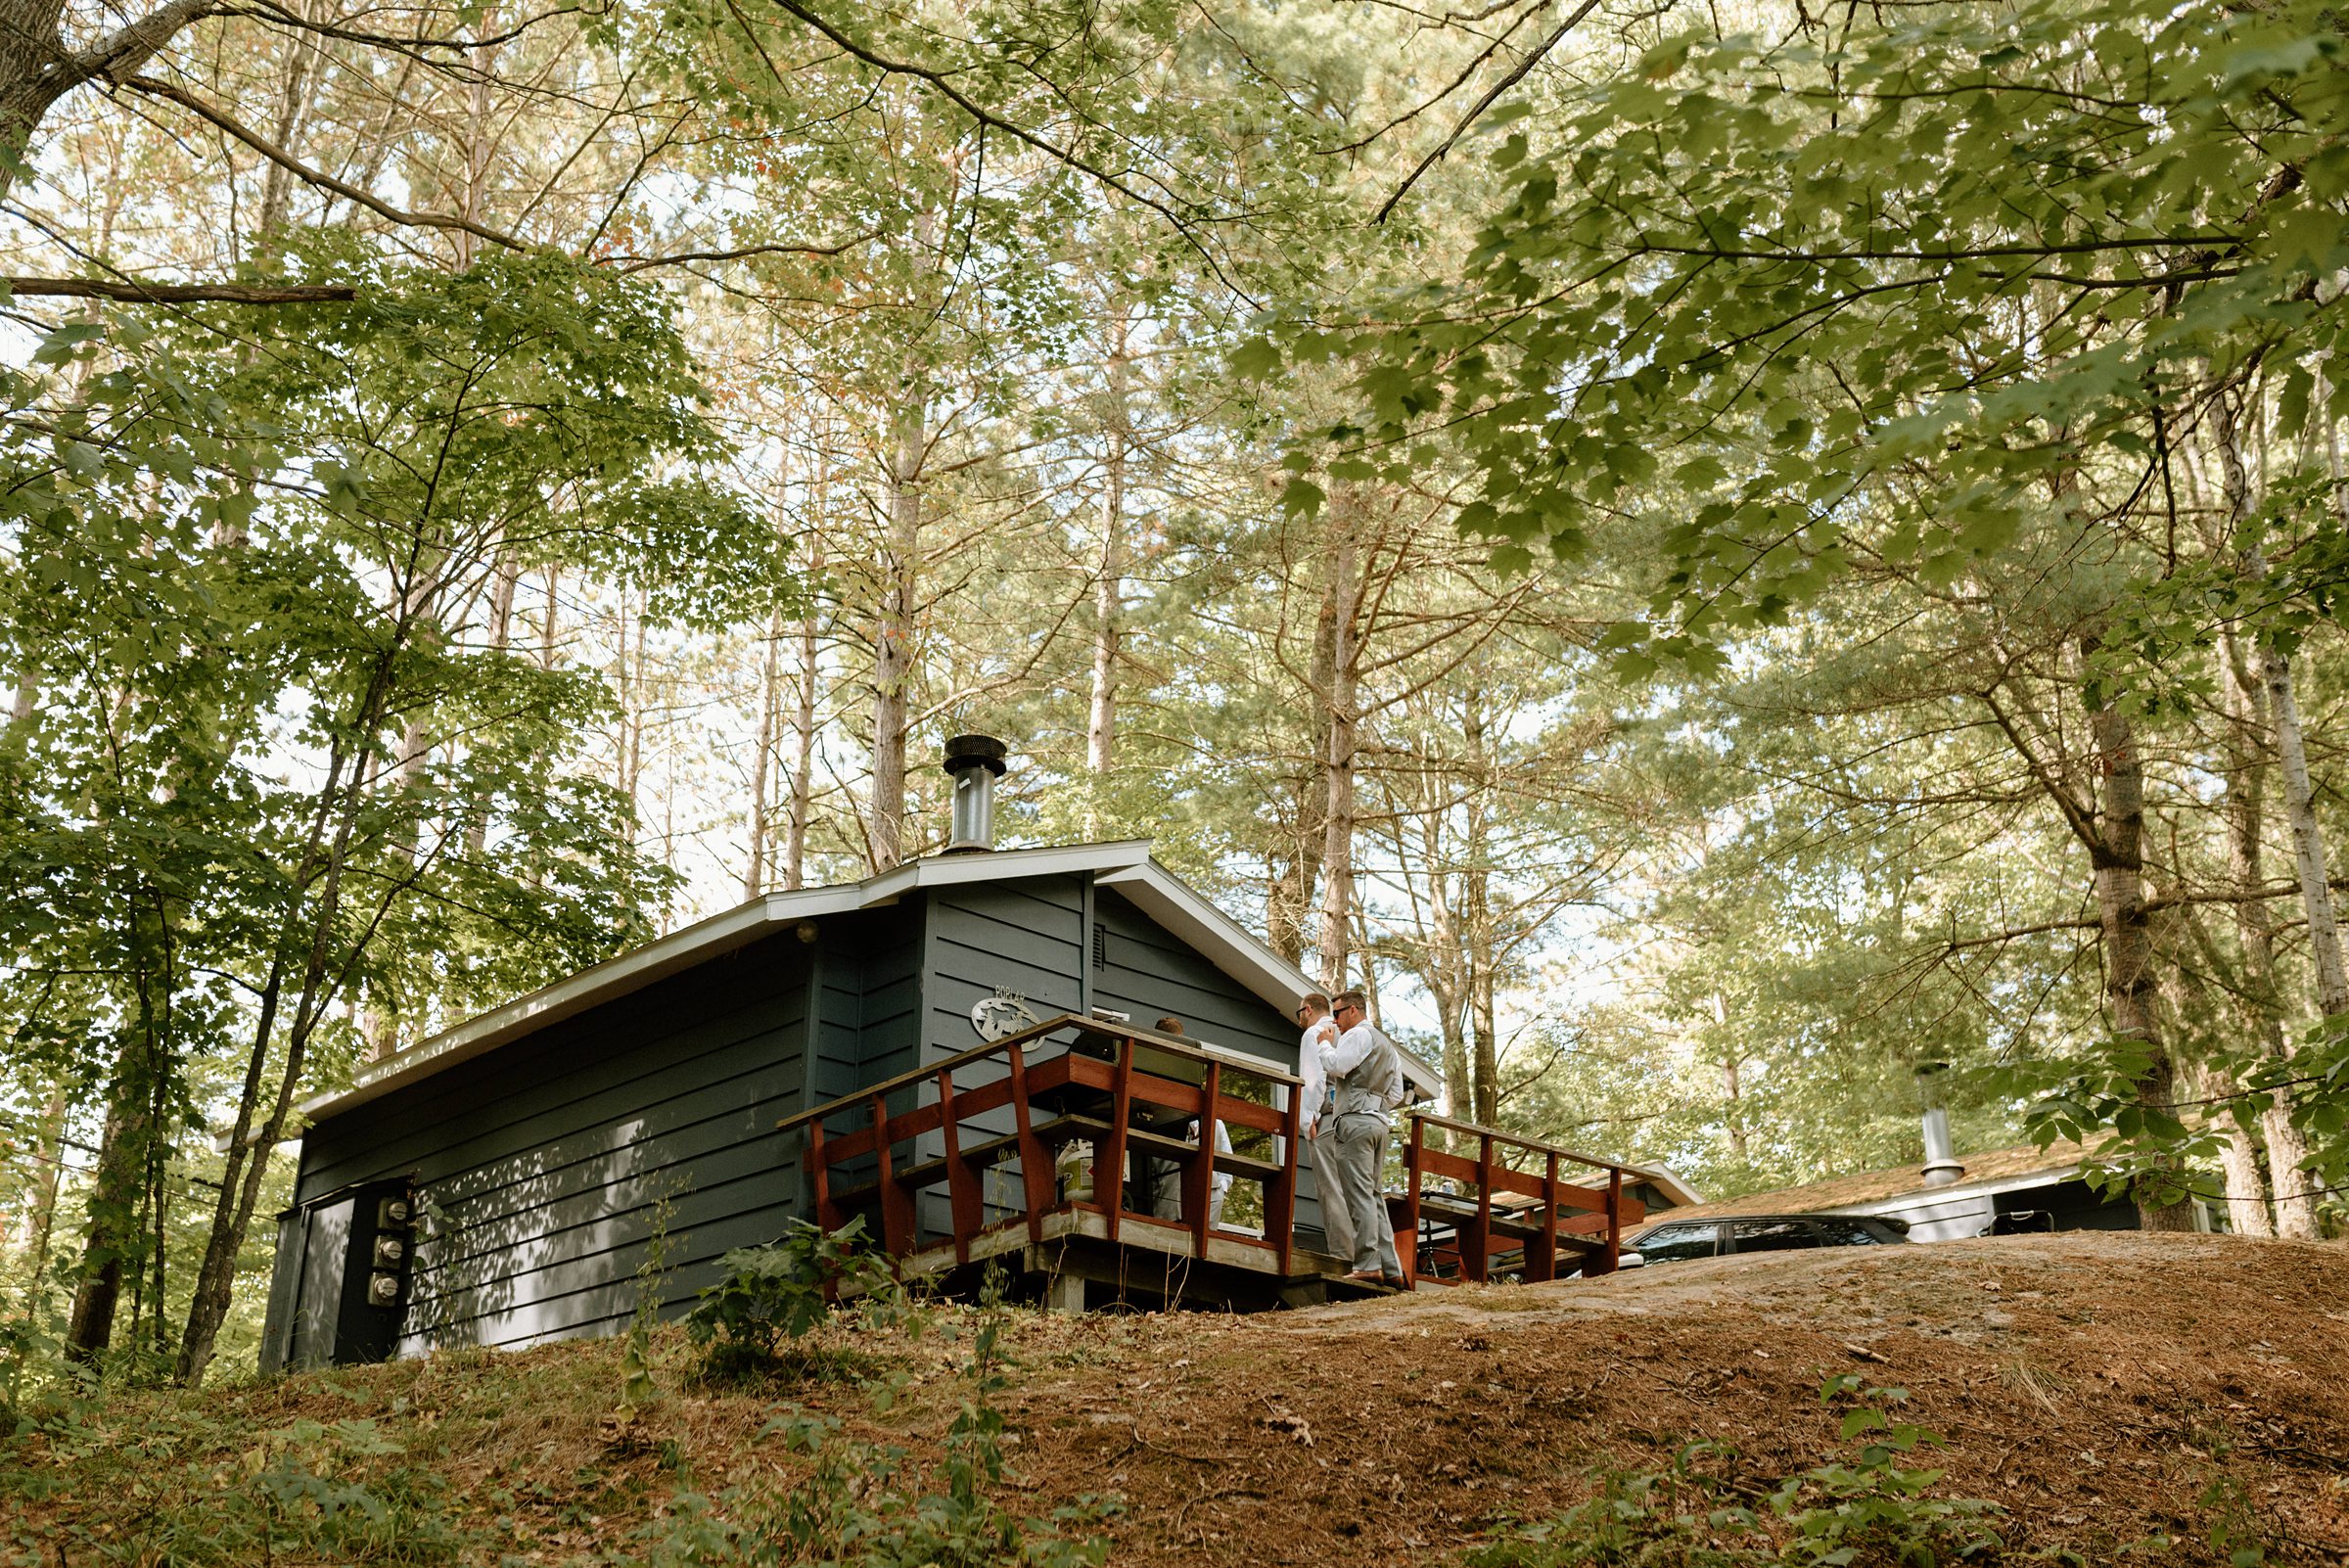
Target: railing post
1547	1266
1199	1173
963	1205
1480	1236
1109	1160
819	1172
1280	1197
1613	1253
1409	1254
896	1207
1036	1169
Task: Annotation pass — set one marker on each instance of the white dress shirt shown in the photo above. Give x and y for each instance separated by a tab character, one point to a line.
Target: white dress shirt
1317	1041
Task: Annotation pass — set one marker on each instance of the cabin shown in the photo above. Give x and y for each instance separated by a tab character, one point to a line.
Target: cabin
962	1053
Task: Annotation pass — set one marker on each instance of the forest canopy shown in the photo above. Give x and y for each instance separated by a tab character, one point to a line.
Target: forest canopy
1739	567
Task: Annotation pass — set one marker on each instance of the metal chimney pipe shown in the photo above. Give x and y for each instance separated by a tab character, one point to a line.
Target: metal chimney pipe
1941	1167
976	762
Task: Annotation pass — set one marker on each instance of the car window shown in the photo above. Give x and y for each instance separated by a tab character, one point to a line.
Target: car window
1848	1232
1674	1242
1774	1235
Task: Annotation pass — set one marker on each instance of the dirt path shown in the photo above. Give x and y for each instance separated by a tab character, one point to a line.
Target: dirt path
2104	1388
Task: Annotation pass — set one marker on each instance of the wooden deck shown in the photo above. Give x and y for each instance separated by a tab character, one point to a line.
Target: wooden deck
1056	1147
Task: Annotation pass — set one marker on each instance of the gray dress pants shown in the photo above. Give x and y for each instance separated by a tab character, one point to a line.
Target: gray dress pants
1362	1160
1337	1221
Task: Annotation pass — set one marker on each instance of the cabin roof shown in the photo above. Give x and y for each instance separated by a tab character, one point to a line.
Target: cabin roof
2024	1165
1126	867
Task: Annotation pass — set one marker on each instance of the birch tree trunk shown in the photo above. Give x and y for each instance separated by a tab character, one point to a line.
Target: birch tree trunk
1108	587
2291	748
2257	999
754	876
893	642
802	737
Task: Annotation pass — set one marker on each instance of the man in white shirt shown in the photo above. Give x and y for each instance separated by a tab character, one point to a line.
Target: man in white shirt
1366	1072
1313	1102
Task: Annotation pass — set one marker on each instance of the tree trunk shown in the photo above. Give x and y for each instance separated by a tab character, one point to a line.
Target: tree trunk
754	876
1338	780
35	72
2239	1162
1109	588
803	739
112	1209
1732	1090
49	1152
2130	986
2291	749
893	642
125	1154
2257	999
296	96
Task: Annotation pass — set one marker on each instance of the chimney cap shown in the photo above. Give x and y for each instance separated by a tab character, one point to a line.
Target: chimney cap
974	751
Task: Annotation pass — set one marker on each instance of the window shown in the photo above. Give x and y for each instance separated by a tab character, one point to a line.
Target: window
1847	1232
1674	1242
1774	1235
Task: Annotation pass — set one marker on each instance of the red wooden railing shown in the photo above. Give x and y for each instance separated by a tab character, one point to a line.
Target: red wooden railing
1067	1077
1585	1223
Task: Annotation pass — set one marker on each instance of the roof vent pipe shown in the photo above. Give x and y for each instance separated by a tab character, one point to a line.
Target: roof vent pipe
1941	1167
976	762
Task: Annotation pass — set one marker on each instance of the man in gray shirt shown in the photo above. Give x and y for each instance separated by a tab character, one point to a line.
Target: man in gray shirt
1366	1072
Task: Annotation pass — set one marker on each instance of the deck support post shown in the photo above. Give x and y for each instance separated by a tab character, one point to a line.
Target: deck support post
1064	1293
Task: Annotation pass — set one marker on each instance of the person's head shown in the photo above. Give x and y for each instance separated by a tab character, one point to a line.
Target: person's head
1170	1025
1349	1008
1312	1009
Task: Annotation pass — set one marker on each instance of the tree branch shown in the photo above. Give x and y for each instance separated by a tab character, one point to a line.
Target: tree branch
318	176
181	293
985	116
1501	86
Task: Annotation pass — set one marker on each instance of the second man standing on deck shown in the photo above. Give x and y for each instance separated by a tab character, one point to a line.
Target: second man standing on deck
1366	1072
1321	1134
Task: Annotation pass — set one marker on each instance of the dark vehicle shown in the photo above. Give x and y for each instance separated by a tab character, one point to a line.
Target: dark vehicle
1676	1239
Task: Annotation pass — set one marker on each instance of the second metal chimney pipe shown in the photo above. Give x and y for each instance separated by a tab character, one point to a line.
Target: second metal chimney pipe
976	762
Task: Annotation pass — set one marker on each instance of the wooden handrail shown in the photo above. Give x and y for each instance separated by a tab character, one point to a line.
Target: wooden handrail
1531	1146
1195	1049
1475	1228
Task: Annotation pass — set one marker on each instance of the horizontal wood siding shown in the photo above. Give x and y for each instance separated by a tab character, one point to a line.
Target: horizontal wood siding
1026	937
1152	974
546	1168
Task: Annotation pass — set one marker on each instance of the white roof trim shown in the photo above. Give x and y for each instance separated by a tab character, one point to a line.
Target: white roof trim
1177	905
1125	866
1989	1186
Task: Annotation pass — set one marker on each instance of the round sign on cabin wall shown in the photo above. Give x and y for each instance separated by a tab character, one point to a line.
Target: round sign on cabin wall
998	1016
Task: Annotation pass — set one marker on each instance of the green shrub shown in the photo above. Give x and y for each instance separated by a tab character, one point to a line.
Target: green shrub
785	1291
